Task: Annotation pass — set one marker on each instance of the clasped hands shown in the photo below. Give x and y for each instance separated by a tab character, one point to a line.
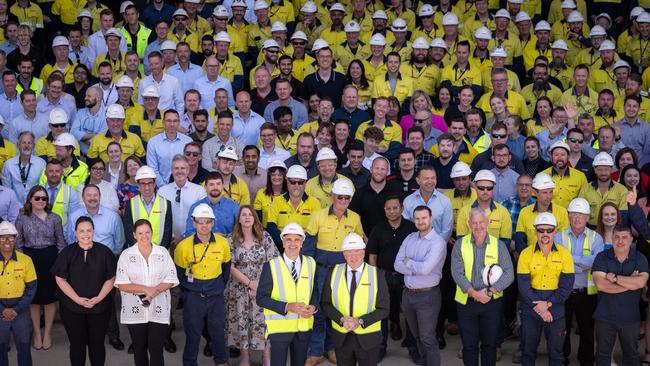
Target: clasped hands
541	308
304	311
349	323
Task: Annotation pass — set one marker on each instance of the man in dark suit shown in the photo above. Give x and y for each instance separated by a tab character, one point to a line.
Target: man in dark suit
356	315
286	292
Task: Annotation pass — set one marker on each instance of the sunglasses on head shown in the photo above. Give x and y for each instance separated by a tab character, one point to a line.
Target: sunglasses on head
484	188
574	140
499	136
40	198
544	231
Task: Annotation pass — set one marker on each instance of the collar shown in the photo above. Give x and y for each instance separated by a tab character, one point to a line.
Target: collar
595	184
330	211
388	122
574	92
320	179
612	113
399	76
567	172
493	206
14	256
458	194
550	208
145	116
108	134
288	197
196	239
553	248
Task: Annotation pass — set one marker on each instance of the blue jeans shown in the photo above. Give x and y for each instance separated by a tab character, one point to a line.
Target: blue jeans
532	327
21	327
195	310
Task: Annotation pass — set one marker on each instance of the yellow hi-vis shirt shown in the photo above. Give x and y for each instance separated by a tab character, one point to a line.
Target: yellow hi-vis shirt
16	273
403	87
528	214
130	142
45	147
616	194
237	190
191	249
514	101
567	186
322	192
458	201
330	231
281	211
545	271
500	222
145	127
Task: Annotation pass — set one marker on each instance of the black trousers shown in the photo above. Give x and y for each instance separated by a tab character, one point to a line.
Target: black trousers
148	340
479	326
582	306
113	325
281	345
352	354
628	336
86	331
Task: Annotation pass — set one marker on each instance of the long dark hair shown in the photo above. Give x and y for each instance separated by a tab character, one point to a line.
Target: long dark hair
639	187
27	208
545	98
436	100
363	82
269	187
238	232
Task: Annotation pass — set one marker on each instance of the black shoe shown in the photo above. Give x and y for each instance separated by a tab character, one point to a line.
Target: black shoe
415	356
382	353
116	343
207	351
403	344
442	343
170	346
234	352
130	350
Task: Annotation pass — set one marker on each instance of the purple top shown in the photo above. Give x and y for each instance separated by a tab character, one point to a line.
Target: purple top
437	122
38	234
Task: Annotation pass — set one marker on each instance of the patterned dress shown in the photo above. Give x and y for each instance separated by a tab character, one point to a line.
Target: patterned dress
245	319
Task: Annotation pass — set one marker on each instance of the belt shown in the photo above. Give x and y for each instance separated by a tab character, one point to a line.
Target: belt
198	293
579	291
418	290
394	274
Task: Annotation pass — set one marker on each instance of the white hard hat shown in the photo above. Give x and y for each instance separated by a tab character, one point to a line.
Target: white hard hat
460	169
498	52
352	26
502	13
607	45
482	33
379	14
65	139
193	1
399	25
516	1
228	153
277	164
426	10
84	13
113	32
124	5
260	5
299	35
450	19
420	43
491	274
603	159
180	12
309	7
343	187
485	174
559	45
337	7
622	63
643	18
145	172
568	4
636	11
60	41
542	25
606	16
292	228
545	218
579	205
238	3
7	228
522	16
597	30
203	211
2	121
575	16
377	40
278	27
560	144
222	37
543	181
168	45
220	11
57	116
151	91
319	44
270	43
297	171
438	43
325	154
353	241
115	111
124	82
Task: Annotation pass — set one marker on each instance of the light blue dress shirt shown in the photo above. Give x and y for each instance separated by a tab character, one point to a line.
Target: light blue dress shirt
10	109
225	211
161	151
171	96
108	228
426	256
247	131
12	178
582	263
506	184
299	114
8	47
9	205
441	211
38	126
85	123
545	141
66	102
207	89
186	77
81	56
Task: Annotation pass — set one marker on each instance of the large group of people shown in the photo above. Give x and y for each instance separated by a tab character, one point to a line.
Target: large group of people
313	180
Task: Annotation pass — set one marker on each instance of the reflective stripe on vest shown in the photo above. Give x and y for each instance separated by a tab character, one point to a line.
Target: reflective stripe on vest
364	301
156	218
61	204
35	85
590	237
467	252
142	36
287	291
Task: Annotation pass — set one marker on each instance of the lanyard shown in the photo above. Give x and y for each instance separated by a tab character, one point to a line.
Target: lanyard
5	263
108	96
205	251
456	76
24	175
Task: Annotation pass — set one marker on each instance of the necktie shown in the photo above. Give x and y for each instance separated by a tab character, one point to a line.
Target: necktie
353	289
294	274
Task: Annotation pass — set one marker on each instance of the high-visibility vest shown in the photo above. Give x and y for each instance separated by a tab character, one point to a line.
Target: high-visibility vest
61	205
156	217
590	237
142	36
288	291
36	85
467	252
365	297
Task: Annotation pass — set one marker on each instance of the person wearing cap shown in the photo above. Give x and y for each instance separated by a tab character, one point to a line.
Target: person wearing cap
325	80
631	30
61	51
130	142
583	244
428	29
157	11
402	43
462	193
324	245
356	316
512	45
620	273
573	29
168	51
270	54
19	288
375	63
286	290
238	28
480	55
165	145
196	23
148	121
462	72
114	55
334	32
498	57
180	32
604	189
309	22
545	277
169	87
591	55
419	68
542	47
543	186
320	186
89	121
568	180
58	121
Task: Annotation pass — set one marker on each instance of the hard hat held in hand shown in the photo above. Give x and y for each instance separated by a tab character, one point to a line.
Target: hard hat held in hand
491	274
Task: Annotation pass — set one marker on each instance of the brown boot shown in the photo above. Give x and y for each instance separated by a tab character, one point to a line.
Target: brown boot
314	360
331	356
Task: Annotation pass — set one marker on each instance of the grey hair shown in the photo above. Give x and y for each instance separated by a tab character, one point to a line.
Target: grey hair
478	211
179	157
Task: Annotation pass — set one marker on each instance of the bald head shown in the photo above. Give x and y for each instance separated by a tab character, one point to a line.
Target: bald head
93	97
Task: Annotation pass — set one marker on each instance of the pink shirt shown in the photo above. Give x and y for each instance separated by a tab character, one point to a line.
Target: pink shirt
437	122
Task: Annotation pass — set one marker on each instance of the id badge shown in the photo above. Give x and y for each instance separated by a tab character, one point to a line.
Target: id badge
190	275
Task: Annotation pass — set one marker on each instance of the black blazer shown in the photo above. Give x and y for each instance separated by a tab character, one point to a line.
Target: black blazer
265	287
367	341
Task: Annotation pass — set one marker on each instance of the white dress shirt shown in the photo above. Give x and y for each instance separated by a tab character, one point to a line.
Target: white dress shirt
109	94
267	158
290	262
189	194
357	275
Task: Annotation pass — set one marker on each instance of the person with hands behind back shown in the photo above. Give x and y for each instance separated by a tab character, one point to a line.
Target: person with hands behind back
286	292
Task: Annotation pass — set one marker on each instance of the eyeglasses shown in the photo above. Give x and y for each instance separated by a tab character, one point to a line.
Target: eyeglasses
343	198
40	198
296	182
544	231
147	183
8	238
485	188
574	140
58	125
178	196
499	136
203	221
97	168
192	154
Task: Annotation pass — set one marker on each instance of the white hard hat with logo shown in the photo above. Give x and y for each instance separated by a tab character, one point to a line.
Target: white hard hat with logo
377	40
220	11
352	26
482	33
543	181
338	7
542	25
560	144
491	274
168	46
426	10
203	211
319	44
278	27
124	82
325	154
65	139
545	218
297	171
379	14
222	37
353	241
579	205
277	164
460	169
449	19
228	153
438	43
343	187
522	16
60	41
603	159
485	174
151	91
58	116
145	172
7	228
309	7
292	228
115	111
420	43
260	5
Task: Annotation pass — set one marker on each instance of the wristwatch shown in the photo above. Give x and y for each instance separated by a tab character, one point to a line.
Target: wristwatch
360	321
615	278
549	304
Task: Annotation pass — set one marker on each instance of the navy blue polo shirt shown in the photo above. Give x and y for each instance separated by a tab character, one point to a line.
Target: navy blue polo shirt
621	308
